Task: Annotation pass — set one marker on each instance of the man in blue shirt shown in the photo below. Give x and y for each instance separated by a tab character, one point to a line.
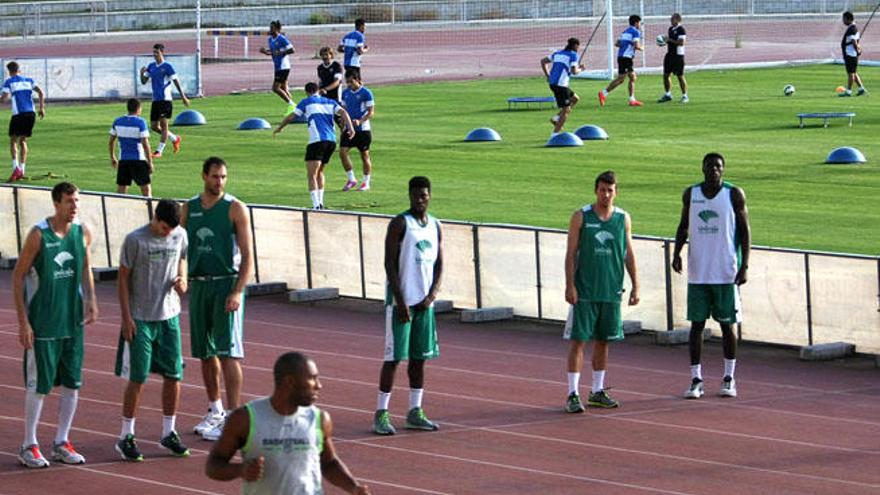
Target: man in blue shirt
562	64
135	162
354	45
19	90
162	75
358	102
280	49
318	112
627	46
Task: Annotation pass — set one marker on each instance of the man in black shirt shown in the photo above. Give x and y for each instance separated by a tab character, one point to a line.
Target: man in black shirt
329	74
673	62
851	51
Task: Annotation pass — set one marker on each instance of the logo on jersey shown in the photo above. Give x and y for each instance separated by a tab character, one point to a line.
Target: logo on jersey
204	234
604	236
423	245
707	215
60	259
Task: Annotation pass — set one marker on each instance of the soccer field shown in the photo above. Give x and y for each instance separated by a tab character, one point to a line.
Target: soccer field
794	199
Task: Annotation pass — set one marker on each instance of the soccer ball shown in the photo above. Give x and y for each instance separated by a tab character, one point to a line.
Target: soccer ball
661	40
788	90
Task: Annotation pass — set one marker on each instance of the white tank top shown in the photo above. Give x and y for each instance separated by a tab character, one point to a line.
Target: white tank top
712	249
291	446
418	253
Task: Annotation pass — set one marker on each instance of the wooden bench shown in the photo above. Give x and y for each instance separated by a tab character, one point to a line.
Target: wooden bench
527	101
825	116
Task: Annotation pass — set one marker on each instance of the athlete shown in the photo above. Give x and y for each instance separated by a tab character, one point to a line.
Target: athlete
220	264
359	103
414	267
162	75
715	223
135	160
628	44
562	64
353	45
673	62
52	286
329	74
152	277
852	49
19	90
319	112
280	49
599	249
286	442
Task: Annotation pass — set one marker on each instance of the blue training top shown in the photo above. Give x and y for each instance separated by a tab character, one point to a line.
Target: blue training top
358	103
282	44
22	90
627	42
161	76
563	61
351	42
319	112
130	129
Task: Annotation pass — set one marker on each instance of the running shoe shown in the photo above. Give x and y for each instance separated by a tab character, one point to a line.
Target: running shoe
602	399
695	391
176	143
214	433
862	92
601	99
684	99
128	449
209	422
573	404
66	454
664	99
845	94
349	185
17	174
174	445
31	457
416	420
363	187
635	103
157	154
728	387
382	423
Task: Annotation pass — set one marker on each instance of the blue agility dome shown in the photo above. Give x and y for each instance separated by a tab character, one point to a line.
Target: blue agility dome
483	134
845	154
190	117
564	139
591	132
254	124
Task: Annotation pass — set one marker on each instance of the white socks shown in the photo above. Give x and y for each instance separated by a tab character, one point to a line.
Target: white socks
168	425
384	399
172	137
415	397
216	407
127	427
573	382
33	406
729	367
598	381
320	196
350	175
66	410
316	199
697	372
367	179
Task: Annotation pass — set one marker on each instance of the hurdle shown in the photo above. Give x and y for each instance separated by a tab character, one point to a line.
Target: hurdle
244	34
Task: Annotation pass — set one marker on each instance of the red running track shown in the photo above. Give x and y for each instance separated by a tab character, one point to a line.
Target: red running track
497	390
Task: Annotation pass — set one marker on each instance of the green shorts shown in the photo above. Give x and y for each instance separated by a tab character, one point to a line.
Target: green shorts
213	331
721	301
415	339
589	320
54	362
155	348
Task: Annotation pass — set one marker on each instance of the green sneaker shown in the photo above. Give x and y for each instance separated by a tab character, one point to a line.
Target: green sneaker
602	399
290	109
128	449
382	423
573	404
416	420
174	445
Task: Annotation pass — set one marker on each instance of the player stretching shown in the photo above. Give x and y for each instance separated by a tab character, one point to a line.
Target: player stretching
564	62
629	42
162	75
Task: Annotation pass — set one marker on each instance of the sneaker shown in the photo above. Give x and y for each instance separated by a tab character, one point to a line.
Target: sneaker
416	420
554	119
172	442
684	99
602	399
31	457
664	99
349	185
157	154
66	454
176	143
363	187
862	92
573	404
728	387
17	174
128	449
845	94
209	422
290	109
695	391
601	99
635	103
214	433
382	423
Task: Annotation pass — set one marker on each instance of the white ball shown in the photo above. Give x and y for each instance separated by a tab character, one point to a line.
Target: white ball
788	90
661	40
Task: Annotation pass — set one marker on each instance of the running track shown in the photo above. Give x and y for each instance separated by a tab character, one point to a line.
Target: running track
497	391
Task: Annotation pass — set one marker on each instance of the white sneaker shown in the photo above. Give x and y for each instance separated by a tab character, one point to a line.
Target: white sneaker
214	433
728	387
31	457
209	422
684	98
66	454
696	389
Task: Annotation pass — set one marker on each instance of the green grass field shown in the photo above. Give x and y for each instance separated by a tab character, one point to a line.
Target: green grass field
794	200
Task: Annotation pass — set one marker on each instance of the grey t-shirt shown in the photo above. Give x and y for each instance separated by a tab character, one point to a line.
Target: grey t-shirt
153	262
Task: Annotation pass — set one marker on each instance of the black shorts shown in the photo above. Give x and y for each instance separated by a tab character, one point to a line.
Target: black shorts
851	63
22	124
281	75
320	151
624	65
563	95
356	70
138	170
361	140
160	110
673	64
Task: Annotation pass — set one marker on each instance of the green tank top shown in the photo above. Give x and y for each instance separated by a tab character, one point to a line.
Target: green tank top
213	249
601	255
54	285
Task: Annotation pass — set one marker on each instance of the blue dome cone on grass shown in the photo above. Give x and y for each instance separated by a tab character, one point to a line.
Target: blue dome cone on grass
591	132
845	154
254	124
564	139
190	117
483	134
